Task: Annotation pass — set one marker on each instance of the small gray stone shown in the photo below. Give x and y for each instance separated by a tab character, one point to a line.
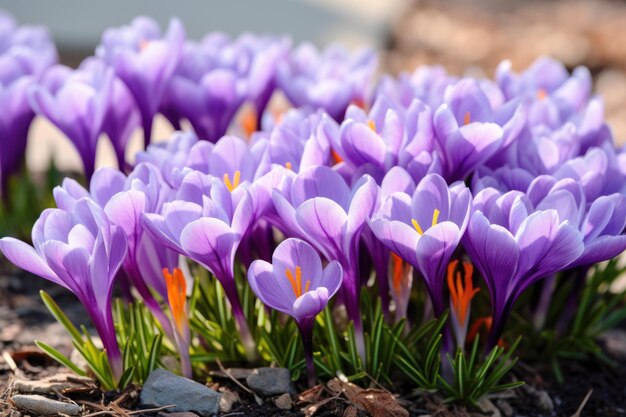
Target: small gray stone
229	398
50	385
284	402
270	381
164	388
45	406
545	402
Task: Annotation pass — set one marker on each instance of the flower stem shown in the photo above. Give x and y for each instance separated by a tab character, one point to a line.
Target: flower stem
306	331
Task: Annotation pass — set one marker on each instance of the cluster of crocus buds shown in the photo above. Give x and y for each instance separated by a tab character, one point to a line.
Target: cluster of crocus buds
425	176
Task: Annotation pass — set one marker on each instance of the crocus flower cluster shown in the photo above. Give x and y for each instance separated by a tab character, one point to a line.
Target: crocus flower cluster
426	176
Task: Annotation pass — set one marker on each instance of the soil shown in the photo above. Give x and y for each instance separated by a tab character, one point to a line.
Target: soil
23	319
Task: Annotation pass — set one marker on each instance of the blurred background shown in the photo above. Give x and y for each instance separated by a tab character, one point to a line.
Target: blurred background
465	36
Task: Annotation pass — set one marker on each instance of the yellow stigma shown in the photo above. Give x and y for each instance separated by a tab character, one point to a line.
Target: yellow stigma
417	226
288	165
232	185
468	118
372	124
296	282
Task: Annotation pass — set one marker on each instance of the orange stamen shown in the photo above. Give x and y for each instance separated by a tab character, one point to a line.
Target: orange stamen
461	294
372	125
232	185
468	118
288	165
177	297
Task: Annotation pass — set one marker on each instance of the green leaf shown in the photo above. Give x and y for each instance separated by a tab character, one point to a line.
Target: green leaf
60	316
59	357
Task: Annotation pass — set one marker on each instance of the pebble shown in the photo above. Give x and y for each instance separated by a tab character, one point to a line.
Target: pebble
164	388
271	381
45	406
229	398
284	402
487	408
49	385
505	407
544	402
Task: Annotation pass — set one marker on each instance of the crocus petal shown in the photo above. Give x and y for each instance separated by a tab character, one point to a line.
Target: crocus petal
310	304
267	287
324	220
209	242
25	257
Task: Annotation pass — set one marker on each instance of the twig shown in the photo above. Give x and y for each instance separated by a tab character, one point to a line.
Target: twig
9	360
583	404
232	378
100	413
151	410
128	413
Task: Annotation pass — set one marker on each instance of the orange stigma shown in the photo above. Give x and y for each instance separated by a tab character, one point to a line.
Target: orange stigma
541	94
288	165
336	157
249	121
461	294
143	44
296	282
467	119
359	102
399	272
232	185
177	297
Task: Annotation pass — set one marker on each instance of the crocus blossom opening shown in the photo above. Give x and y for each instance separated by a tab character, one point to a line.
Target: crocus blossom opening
177	298
296	284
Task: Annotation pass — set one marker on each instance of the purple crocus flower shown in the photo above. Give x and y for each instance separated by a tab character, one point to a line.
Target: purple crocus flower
470	131
124	200
322	208
122	116
330	80
81	251
514	244
217	75
173	155
546	87
145	60
425	228
25	52
427	84
300	139
601	222
78	106
206	222
386	137
295	284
